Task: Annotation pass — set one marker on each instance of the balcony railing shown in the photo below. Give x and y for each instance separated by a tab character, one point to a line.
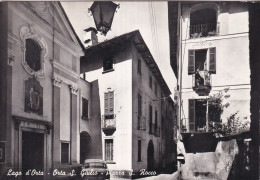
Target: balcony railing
204	30
109	124
201	83
141	123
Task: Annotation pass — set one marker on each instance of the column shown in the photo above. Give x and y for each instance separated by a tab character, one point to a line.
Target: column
74	125
56	120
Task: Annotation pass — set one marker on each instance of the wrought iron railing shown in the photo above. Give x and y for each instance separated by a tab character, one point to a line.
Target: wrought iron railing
109	121
203	30
141	123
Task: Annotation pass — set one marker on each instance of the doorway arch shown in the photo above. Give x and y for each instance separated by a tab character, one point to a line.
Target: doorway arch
150	156
85	141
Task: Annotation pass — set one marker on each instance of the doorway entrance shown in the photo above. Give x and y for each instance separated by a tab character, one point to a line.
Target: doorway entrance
32	154
150	156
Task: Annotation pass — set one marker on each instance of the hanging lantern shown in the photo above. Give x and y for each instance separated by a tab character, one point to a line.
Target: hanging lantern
103	13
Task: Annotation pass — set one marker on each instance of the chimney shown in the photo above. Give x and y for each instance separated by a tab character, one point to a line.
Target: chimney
90	37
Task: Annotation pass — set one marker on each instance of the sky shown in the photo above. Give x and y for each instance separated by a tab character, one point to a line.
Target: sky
150	18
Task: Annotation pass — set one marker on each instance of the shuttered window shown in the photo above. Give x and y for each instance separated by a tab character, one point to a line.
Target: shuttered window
109	145
212	60
192	115
156	118
191	62
109	102
150	119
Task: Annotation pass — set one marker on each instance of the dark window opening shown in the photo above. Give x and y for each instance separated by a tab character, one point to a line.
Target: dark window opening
155	88
139	68
108	63
203	23
33	55
150	82
150	119
109	150
139	151
84	108
64	152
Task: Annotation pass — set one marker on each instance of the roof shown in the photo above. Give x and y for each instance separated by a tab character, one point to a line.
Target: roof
136	38
73	30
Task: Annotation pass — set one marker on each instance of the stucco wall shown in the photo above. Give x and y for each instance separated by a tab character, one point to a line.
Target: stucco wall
120	82
232	65
141	86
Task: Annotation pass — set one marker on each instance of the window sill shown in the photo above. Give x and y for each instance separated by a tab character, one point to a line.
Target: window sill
107	71
139	162
110	162
85	118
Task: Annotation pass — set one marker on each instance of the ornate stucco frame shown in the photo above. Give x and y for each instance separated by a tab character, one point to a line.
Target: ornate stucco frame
29	32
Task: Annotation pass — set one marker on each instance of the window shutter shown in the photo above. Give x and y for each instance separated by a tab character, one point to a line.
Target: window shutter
191	65
192	115
212	60
106	103
111	102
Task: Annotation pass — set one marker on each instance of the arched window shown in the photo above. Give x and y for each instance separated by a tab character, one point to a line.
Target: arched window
203	20
33	54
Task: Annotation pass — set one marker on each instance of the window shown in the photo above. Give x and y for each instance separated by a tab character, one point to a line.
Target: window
156	117
33	55
198	61
150	119
150	82
64	152
139	151
198	113
108	63
139	66
203	22
155	88
84	108
109	105
109	150
139	105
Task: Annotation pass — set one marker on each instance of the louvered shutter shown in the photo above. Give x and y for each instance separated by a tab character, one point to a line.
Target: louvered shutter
111	102
212	60
192	115
191	62
106	103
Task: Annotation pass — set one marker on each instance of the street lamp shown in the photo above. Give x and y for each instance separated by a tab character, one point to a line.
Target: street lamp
103	13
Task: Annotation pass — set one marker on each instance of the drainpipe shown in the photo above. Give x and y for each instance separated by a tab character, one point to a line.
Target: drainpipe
180	63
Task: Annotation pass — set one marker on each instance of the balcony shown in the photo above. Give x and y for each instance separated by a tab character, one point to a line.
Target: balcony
108	124
201	83
141	123
204	30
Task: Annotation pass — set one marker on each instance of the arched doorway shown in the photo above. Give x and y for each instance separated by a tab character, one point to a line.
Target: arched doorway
85	140
150	156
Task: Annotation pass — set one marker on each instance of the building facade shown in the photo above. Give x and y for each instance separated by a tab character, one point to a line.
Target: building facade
209	56
46	109
134	99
